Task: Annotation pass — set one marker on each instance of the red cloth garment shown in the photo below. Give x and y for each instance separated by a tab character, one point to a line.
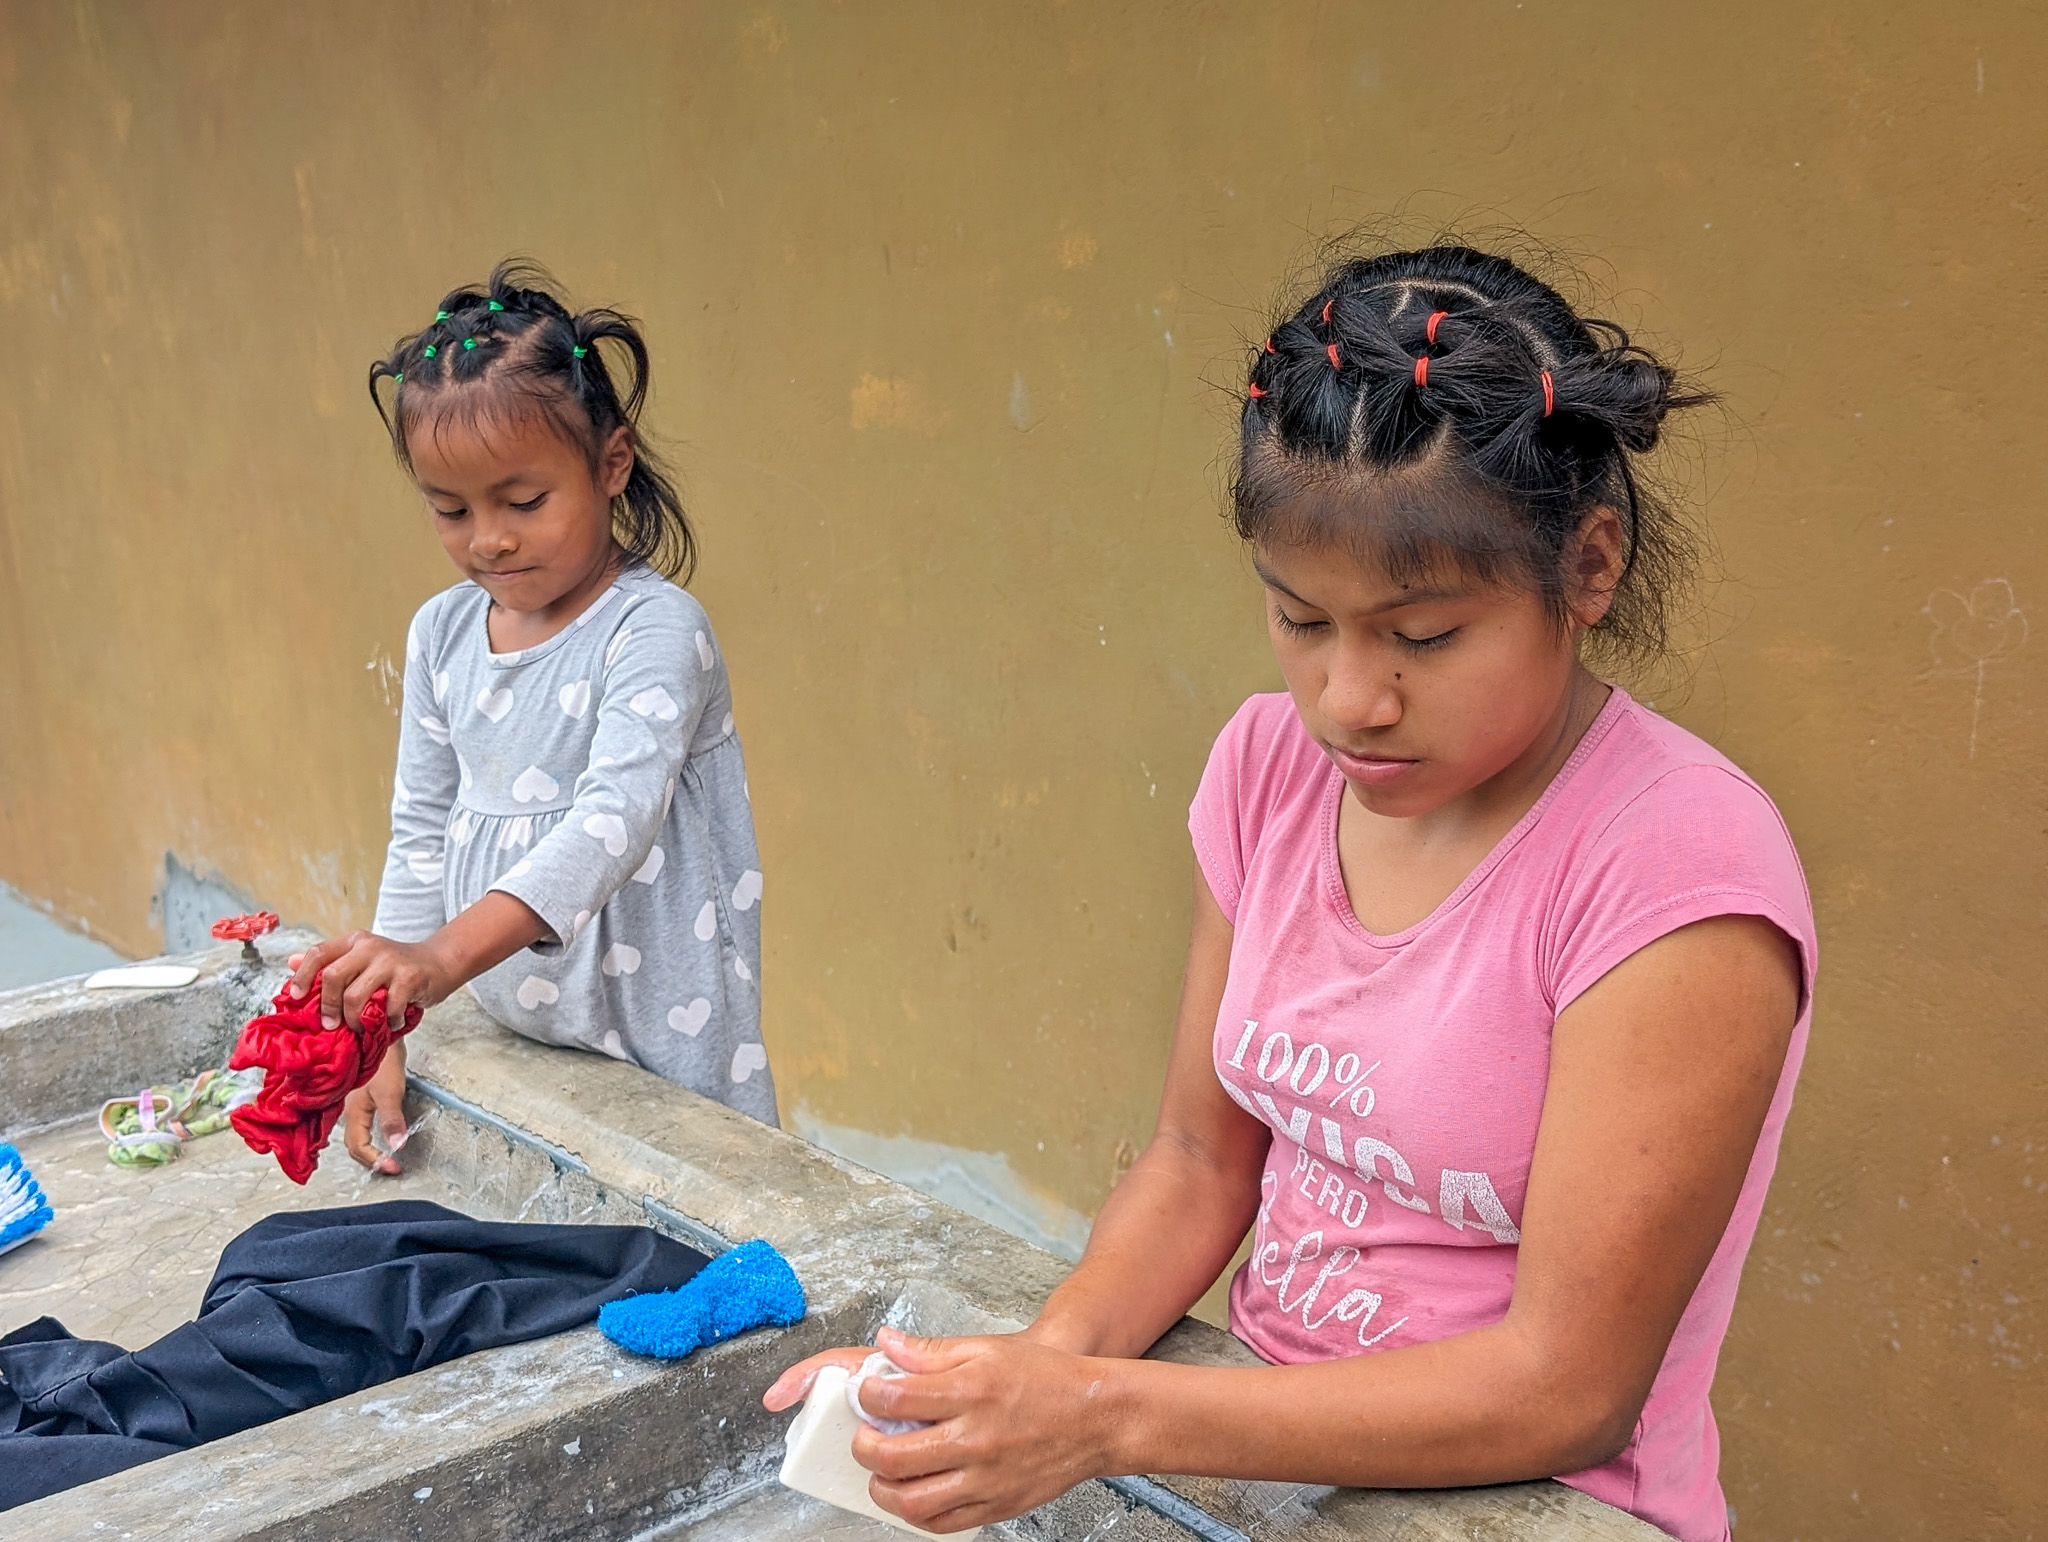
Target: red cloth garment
308	1071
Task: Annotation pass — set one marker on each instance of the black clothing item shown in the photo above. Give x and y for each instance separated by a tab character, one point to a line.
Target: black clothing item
306	1307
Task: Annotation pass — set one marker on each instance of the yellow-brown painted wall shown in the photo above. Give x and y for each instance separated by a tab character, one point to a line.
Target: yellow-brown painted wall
946	303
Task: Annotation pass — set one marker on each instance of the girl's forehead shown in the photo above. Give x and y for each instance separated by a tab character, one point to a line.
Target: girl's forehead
454	439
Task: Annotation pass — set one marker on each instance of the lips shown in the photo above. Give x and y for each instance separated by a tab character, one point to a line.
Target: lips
1375	770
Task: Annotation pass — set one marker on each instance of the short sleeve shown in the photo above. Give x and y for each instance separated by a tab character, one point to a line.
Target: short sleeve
1700	841
1253	766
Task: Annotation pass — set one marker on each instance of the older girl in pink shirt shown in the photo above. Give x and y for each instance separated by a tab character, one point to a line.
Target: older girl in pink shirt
1498	983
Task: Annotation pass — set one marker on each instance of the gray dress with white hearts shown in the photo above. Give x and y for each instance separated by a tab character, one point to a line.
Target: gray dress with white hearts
597	777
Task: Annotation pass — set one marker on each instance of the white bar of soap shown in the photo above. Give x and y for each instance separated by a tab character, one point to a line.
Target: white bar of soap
818	1455
142	977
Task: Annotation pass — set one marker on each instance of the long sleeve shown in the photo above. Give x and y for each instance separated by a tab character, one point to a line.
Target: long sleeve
410	901
650	692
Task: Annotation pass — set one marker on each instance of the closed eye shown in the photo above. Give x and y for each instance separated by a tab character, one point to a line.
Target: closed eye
532	503
1424	644
447	513
1294	628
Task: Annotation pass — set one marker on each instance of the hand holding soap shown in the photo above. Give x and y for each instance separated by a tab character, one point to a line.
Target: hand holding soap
818	1453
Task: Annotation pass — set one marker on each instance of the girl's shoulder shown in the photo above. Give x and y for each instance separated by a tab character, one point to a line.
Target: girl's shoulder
1264	753
441	616
1642	767
660	600
1261	789
1654	817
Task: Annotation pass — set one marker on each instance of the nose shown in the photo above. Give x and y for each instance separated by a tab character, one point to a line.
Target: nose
1361	692
491	538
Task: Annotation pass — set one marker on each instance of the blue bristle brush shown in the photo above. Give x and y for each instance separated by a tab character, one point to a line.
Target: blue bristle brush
23	1209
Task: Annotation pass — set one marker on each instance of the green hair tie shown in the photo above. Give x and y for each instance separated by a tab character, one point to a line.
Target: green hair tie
496	306
430	350
399	378
580	352
469	342
440	315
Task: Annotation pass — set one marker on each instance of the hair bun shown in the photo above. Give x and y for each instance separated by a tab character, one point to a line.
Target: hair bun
1626	391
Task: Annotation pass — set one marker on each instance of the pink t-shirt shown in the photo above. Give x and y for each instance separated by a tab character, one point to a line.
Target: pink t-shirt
1403	1076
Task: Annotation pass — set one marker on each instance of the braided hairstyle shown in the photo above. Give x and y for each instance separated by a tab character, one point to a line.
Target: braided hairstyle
511	350
1442	409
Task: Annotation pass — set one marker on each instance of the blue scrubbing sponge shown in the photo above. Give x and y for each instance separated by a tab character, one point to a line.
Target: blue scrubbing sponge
750	1287
23	1209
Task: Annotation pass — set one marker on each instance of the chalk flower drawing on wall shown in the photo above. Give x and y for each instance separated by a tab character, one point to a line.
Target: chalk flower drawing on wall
1971	634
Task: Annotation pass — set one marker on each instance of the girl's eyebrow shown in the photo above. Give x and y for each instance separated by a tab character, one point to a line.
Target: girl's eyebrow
496	487
1408	596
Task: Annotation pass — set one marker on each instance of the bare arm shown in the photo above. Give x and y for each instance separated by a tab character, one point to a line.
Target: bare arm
1661	1076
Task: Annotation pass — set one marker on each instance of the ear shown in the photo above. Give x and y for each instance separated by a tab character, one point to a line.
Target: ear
615	462
1595	566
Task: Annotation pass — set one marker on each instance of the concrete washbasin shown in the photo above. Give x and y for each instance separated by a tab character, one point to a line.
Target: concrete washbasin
566	1437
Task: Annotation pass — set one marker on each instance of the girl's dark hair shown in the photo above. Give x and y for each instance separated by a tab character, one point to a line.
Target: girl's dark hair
512	350
1482	419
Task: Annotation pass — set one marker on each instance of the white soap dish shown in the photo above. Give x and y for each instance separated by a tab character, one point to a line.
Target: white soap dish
142	977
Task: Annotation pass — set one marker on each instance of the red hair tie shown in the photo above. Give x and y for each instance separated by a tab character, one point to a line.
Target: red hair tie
1422	369
1269	346
1549	396
1326	309
1332	351
1429	332
1255	391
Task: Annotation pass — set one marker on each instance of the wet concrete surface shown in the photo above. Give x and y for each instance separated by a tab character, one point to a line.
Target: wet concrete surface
130	1250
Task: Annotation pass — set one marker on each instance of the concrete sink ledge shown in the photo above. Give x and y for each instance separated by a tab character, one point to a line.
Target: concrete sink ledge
570	1437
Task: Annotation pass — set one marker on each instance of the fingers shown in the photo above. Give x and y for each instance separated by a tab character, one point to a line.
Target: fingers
316	958
794	1384
937	1501
355	1131
925	1357
389	1106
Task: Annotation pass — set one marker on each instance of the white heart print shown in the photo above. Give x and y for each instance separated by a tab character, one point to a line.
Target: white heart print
726	726
520	868
620	958
651	868
412	642
495	704
612	1046
463	830
610	829
707	922
739	967
576	926
704	654
747	1059
440	685
535	993
462	770
534	785
425	866
746	894
401	795
690	1019
436	729
617	646
655	701
575	699
518	833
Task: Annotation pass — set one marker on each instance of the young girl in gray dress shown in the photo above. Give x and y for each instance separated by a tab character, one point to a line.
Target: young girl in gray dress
570	832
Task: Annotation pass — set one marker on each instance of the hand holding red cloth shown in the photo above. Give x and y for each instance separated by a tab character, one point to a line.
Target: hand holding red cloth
308	1071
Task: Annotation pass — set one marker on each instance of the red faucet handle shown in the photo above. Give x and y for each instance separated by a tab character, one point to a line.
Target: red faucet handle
245	928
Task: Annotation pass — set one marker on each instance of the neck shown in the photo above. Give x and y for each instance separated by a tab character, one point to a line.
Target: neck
1494	806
